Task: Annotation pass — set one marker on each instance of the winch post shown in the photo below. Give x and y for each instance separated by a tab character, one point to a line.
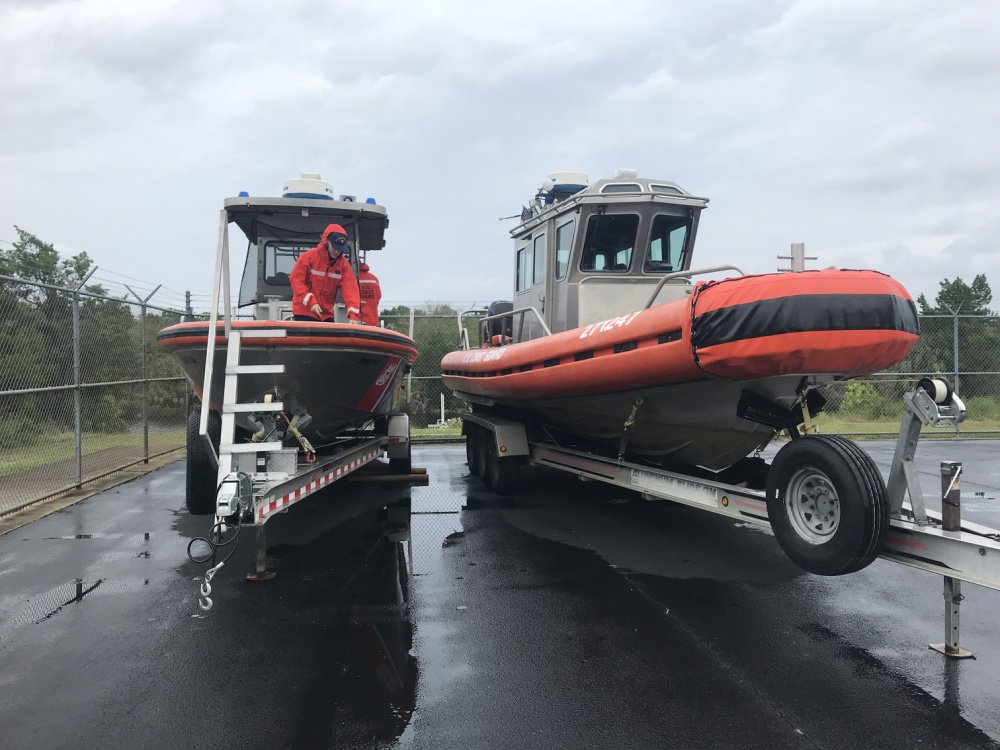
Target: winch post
903	471
951	520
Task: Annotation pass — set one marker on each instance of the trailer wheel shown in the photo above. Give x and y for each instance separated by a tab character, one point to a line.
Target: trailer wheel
504	473
471	439
484	438
827	504
201	473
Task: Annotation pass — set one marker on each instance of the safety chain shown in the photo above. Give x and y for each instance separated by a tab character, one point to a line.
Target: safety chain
205	601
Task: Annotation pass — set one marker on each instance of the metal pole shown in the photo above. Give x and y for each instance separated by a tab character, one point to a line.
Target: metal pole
77	416
955	348
77	412
951	520
188	315
145	387
409	375
261	573
145	382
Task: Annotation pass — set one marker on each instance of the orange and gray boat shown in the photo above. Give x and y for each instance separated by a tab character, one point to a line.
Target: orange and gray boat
336	375
608	340
340	374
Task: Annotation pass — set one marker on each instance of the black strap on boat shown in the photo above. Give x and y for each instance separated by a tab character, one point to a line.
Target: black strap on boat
629	426
801	314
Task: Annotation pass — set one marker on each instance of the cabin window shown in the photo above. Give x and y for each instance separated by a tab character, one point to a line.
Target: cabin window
667	243
538	276
524	268
618	187
665	190
279	259
609	242
564	243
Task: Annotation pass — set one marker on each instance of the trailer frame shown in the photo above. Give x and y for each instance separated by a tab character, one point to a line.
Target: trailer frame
917	537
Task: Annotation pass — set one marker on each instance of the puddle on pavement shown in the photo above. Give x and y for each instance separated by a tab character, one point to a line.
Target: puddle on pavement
374	688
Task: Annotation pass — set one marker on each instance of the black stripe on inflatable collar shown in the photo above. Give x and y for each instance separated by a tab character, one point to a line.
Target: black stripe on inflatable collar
804	313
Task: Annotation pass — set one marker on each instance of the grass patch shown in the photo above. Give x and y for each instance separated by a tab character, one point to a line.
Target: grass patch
449	431
51	448
832	424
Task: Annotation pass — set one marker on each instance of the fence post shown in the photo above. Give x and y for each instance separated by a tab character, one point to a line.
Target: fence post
77	417
145	387
77	410
188	317
409	375
955	347
145	378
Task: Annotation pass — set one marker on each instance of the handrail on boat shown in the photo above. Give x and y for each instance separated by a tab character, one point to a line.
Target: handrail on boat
463	334
521	311
684	274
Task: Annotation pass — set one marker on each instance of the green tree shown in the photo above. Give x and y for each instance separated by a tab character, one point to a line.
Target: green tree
36	344
33	259
436	334
978	337
955	297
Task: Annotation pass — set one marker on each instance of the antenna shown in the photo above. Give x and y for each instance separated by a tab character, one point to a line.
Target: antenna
798	258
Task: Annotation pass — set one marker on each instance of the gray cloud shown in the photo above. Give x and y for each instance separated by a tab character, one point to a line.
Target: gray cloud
869	131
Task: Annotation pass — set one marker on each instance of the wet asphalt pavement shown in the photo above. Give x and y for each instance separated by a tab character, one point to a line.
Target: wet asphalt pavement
571	615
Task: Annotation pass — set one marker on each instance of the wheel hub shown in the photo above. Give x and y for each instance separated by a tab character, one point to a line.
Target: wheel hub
813	505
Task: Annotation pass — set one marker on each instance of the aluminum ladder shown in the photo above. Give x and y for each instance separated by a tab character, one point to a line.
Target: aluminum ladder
231	406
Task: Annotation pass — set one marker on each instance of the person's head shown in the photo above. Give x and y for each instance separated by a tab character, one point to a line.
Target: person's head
364	266
336	240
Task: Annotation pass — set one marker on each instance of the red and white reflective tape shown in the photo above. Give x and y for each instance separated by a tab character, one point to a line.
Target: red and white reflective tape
273	505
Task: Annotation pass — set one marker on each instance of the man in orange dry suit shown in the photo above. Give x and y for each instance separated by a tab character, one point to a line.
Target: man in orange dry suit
371	294
317	275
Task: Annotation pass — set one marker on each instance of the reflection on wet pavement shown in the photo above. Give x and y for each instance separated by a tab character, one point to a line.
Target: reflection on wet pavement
568	615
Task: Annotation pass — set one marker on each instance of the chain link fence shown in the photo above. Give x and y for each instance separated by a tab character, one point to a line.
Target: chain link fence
964	349
84	392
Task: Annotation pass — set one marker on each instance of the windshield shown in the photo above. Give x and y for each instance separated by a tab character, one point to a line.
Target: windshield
279	258
667	243
609	242
269	275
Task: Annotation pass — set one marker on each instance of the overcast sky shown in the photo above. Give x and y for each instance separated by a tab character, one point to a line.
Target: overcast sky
868	130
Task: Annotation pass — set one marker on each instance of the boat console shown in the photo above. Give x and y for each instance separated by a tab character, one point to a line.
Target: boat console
586	252
278	230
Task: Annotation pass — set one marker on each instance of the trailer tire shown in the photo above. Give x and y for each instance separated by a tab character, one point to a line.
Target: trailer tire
201	476
504	473
484	439
827	504
471	440
879	495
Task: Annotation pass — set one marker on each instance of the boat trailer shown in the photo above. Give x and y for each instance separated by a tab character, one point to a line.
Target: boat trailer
936	542
250	498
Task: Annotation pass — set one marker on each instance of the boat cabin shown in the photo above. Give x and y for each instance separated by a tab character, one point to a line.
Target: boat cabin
585	253
278	230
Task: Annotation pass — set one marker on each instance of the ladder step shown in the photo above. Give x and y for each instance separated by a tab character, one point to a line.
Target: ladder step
250	448
252	407
254	369
263	333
